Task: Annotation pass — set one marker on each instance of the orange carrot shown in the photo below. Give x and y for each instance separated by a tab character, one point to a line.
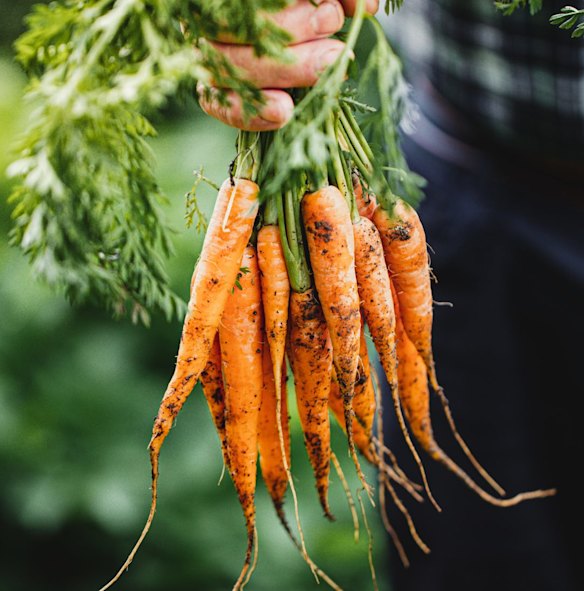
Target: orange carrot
365	446
272	463
227	235
310	354
406	255
377	304
329	236
364	398
241	335
275	298
415	396
366	201
362	441
214	391
275	292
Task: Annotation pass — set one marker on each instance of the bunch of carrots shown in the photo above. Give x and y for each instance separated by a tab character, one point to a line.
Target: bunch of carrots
302	281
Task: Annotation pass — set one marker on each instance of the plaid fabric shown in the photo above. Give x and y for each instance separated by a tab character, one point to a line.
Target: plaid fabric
520	79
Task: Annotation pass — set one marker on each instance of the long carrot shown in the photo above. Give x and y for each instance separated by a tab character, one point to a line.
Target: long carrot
272	462
241	335
377	304
227	235
275	299
329	236
214	391
415	396
406	255
310	355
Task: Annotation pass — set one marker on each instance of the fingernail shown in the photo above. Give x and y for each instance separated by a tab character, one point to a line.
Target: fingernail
327	58
327	19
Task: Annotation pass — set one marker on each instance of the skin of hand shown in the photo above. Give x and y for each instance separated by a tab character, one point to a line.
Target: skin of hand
310	24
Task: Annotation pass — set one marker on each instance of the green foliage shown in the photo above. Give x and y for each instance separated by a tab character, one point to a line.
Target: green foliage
392	5
508	7
568	18
77	393
87	209
382	82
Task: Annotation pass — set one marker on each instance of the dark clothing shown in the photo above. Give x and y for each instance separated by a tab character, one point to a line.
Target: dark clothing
509	256
517	79
500	142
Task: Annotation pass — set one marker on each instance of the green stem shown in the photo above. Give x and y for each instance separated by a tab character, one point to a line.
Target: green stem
291	228
292	243
248	155
335	158
271	212
355	136
355	215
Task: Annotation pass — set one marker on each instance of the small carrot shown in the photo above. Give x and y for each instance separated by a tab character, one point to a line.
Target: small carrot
214	391
310	355
227	235
241	335
366	200
329	236
272	463
415	396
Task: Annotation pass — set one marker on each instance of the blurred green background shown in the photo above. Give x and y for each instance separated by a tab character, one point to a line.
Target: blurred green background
78	393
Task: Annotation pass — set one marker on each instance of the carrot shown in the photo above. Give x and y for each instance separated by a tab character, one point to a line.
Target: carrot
310	355
275	292
415	396
275	299
364	397
406	255
329	236
366	201
362	441
241	335
365	446
377	304
272	463
227	235
214	391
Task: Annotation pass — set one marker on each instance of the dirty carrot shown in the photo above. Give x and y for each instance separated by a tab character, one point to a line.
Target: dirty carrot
241	335
214	392
329	236
275	299
374	287
364	397
216	271
406	255
311	357
272	463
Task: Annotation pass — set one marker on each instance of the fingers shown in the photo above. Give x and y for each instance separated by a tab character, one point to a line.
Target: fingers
305	20
276	111
371	6
310	59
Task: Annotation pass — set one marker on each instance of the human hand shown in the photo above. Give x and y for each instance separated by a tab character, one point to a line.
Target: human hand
309	23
